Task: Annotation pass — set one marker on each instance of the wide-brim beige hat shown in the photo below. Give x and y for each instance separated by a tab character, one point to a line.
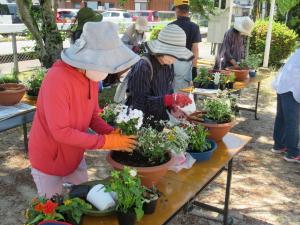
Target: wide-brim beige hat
244	25
100	48
171	41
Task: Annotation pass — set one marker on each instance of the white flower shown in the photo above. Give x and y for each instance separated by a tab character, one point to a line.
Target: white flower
133	173
217	77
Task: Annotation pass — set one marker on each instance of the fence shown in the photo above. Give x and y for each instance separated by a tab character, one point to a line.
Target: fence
14	51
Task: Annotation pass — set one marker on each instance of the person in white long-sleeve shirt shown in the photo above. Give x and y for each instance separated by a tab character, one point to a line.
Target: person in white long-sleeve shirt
286	128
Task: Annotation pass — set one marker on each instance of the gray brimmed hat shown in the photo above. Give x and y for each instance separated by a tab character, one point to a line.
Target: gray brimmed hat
100	48
171	41
244	25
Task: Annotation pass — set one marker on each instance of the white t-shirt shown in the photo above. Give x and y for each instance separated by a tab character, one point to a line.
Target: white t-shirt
288	78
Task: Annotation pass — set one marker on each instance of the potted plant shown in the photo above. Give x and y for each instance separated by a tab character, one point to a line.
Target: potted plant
206	80
242	72
11	94
200	147
151	196
253	62
151	158
129	194
230	80
218	117
110	113
178	140
58	208
34	83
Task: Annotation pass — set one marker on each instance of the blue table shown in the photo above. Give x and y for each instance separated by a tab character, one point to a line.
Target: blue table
20	119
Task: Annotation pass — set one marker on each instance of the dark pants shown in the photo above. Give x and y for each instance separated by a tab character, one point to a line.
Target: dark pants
286	128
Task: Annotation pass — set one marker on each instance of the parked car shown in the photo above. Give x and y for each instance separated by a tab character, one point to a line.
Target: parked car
66	15
9	13
150	15
117	16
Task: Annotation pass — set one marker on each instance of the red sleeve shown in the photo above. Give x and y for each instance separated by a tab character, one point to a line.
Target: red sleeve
57	111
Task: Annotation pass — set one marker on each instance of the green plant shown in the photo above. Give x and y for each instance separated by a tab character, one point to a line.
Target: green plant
218	110
203	78
198	138
42	209
254	61
231	78
110	113
243	65
129	120
129	191
284	41
152	144
34	83
151	194
178	139
155	31
8	79
74	208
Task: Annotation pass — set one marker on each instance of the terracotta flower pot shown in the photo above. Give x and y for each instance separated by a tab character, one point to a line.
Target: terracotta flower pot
241	75
218	131
11	94
149	175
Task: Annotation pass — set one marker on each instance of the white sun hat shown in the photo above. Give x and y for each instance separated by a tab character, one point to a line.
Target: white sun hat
244	25
171	41
100	48
141	23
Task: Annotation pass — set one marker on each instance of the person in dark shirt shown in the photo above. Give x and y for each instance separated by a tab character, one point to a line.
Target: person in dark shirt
232	49
152	92
186	71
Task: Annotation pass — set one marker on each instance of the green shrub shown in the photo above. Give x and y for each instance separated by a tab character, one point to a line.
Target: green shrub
35	81
282	45
155	31
8	79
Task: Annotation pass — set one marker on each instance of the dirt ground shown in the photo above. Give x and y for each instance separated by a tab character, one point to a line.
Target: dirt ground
265	189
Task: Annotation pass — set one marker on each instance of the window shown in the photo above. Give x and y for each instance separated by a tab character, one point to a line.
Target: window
145	14
115	14
126	15
106	14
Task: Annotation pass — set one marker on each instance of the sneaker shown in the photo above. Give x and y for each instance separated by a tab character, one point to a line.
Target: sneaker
279	151
292	159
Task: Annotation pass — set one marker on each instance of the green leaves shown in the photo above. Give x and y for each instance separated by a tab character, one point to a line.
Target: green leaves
285	5
198	141
129	191
152	144
218	110
203	7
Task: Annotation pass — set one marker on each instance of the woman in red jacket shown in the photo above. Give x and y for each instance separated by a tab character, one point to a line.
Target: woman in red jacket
68	105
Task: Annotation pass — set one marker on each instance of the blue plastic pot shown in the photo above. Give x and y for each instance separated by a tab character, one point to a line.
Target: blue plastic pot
252	73
203	156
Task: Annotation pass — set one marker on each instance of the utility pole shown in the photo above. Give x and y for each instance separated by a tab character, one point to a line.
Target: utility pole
269	35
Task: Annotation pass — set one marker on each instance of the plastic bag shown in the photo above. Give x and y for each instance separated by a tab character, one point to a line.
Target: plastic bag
190	108
182	161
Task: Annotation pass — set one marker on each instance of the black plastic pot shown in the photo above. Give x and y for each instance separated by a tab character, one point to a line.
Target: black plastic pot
229	85
196	85
128	218
149	208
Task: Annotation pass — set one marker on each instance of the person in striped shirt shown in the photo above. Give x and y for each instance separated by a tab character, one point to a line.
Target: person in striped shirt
150	84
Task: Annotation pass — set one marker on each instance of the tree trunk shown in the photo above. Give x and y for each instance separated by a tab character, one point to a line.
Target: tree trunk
52	37
24	10
46	35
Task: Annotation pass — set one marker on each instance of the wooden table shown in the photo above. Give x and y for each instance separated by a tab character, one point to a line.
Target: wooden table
20	119
180	189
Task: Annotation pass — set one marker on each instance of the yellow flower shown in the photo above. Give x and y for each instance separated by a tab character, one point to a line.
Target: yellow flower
68	202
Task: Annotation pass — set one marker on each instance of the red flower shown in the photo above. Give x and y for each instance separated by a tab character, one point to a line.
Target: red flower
39	207
49	207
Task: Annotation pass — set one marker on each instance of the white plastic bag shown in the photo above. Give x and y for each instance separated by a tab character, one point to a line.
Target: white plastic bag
190	108
182	161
